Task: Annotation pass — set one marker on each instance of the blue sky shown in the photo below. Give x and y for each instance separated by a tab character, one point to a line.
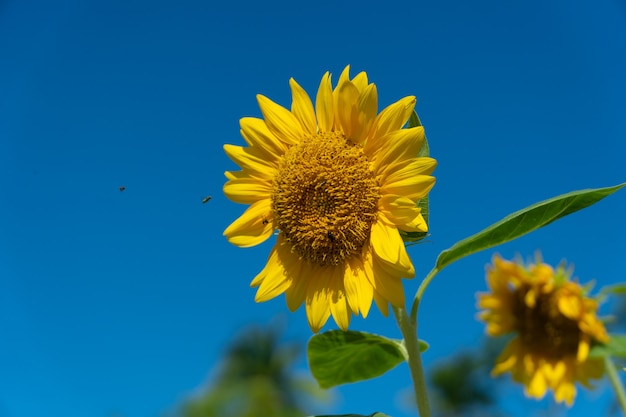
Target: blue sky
122	302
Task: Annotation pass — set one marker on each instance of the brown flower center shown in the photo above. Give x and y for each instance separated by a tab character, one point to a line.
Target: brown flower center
325	199
543	329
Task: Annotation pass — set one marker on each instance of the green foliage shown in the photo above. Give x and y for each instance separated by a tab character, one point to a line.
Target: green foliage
337	357
456	385
617	289
523	222
616	347
255	380
461	385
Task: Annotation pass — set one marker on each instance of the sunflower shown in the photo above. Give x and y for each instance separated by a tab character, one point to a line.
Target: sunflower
555	323
337	182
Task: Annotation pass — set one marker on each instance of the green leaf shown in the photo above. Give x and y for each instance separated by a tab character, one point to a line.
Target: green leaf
413	237
523	222
337	357
617	289
615	348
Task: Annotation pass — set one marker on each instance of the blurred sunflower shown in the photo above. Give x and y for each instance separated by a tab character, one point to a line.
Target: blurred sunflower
555	322
338	181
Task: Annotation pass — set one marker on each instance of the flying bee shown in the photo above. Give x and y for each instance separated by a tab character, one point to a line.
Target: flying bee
122	188
206	199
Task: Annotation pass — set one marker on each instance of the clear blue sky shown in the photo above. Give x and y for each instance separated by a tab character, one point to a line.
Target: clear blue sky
121	302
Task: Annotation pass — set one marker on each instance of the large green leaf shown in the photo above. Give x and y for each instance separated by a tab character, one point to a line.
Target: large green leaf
524	221
616	347
413	237
337	357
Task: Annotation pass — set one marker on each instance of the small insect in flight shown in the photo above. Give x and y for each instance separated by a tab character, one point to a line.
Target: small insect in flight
122	188
206	199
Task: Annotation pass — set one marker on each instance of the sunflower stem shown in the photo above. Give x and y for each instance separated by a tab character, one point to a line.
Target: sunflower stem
408	327
616	382
420	293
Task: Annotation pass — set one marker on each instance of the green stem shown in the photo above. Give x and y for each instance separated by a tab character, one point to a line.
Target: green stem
616	382
408	328
420	292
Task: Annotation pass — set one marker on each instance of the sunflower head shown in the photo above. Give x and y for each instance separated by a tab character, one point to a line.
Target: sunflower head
337	181
555	324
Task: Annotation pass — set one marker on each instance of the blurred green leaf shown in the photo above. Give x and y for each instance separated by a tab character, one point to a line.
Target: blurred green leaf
255	377
523	222
617	289
615	348
337	357
413	237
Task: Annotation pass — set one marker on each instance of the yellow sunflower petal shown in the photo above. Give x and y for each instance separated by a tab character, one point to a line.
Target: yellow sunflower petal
368	267
554	371
409	168
360	81
343	78
389	248
280	121
399	145
271	260
247	190
412	188
570	306
418	224
399	210
537	386
565	392
317	302
324	107
302	108
385	242
583	349
491	302
351	284
338	300
256	134
358	289
296	293
382	303
367	106
346	111
250	229
234	175
507	359
274	280
387	283
389	120
250	159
